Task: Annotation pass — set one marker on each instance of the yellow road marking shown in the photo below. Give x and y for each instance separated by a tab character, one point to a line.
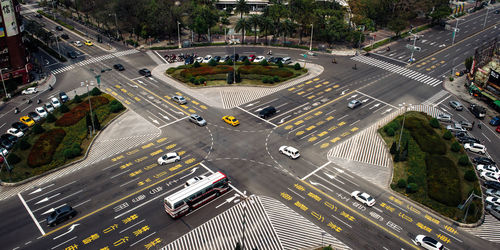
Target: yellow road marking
203	106
299	122
311	97
316	79
328	89
322	133
290	89
312	139
175	106
137	99
161	140
124	90
301	92
335	139
299	133
324	145
288	127
354	129
310	127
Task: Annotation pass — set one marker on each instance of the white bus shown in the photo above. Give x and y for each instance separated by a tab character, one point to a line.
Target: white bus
196	194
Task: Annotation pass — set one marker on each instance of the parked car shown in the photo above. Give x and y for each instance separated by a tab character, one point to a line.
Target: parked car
242	58
78	44
455	127
353	104
48	106
498	129
72	54
493	192
495	121
475	148
271	59
467	139
55	102
466	125
27	121
483	160
189	60
444	117
251	58
179	99
290	152
207	59
4	151
59	28
456	105
34	116
259	59
15	132
487	168
234	57
11	138
199	59
428	242
169	158
119	67
216	59
363	197
198	120
231	120
489	176
286	60
194	180
278	59
492	184
29	91
478	111
461	134
492	200
41	112
224	59
267	112
7	144
145	72
61	214
21	126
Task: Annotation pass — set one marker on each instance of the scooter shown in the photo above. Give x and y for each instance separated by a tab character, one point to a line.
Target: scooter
16	110
388	49
39	101
269	52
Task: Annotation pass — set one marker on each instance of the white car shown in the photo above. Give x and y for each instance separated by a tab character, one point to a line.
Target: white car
363	197
444	118
286	60
489	176
199	59
78	44
290	152
428	242
475	148
224	59
493	192
55	102
49	107
487	168
41	112
29	91
259	59
4	151
492	200
15	132
169	158
353	104
207	59
194	180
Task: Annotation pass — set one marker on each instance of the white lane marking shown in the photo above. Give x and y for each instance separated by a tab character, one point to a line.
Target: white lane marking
31	214
132	226
291	190
63	243
388	104
442	101
124	184
79	204
313	172
486	137
142	239
172	122
116	175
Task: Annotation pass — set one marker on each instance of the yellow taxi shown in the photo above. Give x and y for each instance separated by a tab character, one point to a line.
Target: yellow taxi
231	120
88	43
27	120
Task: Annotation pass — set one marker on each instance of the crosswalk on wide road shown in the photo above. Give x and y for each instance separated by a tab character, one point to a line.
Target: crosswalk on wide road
417	76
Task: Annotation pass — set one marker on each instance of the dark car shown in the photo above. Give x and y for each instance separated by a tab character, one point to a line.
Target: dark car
119	67
63	96
271	59
216	59
492	184
267	112
11	138
467	139
235	57
65	36
460	133
34	116
19	125
72	54
38	15
189	60
242	58
278	59
59	28
61	214
6	143
484	161
497	11
145	72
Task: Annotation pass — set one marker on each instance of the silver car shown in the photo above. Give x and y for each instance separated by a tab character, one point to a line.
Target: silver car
196	119
444	117
179	99
353	104
456	105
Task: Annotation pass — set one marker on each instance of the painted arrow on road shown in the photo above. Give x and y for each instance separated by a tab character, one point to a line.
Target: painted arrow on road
155	121
319	184
365	100
283	120
141	82
353	96
40	189
69	231
374	106
192	172
387	111
251	104
47	198
164	116
177	112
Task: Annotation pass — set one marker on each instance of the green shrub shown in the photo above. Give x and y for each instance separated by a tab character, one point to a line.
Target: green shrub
264	79
396	156
296	66
412	188
77	99
264	63
196	64
42	151
73	151
276	79
51	118
247	62
230	77
192	79
403	155
13	159
95	91
238	76
38	129
64	108
455	147
205	70
78	112
434	123
202	80
280	64
116	107
425	136
212	62
463	160
390	132
447	135
229	62
411	179
401	183
470	175
451	79
393	149
443	181
269	71
24	144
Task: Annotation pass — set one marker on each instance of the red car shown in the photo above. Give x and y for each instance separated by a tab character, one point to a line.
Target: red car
251	58
1	159
498	129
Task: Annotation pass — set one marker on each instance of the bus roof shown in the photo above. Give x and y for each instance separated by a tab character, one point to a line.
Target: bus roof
197	186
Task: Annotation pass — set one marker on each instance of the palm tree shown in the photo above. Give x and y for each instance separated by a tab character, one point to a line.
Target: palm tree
254	20
242	25
241	7
287	28
266	24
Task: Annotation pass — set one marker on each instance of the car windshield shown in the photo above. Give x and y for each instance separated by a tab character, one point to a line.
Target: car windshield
430	240
199	119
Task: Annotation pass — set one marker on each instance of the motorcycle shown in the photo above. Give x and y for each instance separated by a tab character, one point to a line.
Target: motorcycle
388	49
39	101
269	52
16	110
50	87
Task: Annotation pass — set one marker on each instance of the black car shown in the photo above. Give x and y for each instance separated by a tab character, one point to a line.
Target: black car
492	184
119	67
21	126
216	59
63	96
38	15
484	161
235	57
460	133
61	214
189	60
267	112
11	138
145	72
59	28
467	139
72	54
65	36
242	58
6	143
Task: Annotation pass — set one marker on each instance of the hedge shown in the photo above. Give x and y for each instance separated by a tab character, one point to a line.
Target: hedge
206	70
42	151
428	140
265	70
441	169
78	112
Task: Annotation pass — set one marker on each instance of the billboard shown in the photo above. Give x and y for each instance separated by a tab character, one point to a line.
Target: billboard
9	17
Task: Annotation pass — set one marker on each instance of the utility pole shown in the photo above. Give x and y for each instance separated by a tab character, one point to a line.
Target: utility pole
486	17
312	30
455	32
234	65
413	49
57	42
179	33
3	82
116	25
90	106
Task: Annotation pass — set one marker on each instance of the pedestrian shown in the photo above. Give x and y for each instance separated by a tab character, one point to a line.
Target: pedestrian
479	125
473	123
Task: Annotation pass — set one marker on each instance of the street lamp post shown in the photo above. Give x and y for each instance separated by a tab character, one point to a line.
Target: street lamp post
244	198
486	17
179	33
7	163
402	127
455	32
312	31
360	35
234	64
90	106
3	82
53	10
57	42
413	49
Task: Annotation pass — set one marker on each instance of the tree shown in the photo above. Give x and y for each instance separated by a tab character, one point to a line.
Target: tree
242	25
51	118
440	12
397	25
287	28
468	63
393	149
300	12
254	20
64	108
77	99
241	7
88	122
447	135
266	24
97	124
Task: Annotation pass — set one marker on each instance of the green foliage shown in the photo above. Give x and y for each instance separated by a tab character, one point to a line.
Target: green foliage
38	129
440	169
434	123
51	118
212	62
13	159
393	149
468	63
397	25
455	147
196	64
238	77
296	66
95	91
401	183
390	131
395	125
230	77
412	179
265	79
64	108
97	124
229	62
264	63
192	79
246	62
451	79
115	108
412	188
396	156
403	155
73	151
470	175
447	135
464	160
428	140
44	147
276	79
202	80
77	99
280	64
24	144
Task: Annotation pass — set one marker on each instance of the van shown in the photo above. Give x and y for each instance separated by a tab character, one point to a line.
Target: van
267	112
287	60
478	111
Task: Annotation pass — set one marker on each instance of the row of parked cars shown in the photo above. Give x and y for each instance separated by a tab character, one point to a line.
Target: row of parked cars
18	129
237	58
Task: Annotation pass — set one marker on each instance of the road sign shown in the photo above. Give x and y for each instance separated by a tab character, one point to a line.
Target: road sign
413	48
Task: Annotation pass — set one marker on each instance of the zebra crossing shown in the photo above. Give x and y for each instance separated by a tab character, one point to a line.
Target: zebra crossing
367	146
269	225
433	99
94	60
237	96
488	230
417	76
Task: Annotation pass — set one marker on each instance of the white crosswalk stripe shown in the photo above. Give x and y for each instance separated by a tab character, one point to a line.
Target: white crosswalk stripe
432	100
268	226
95	60
367	146
488	230
417	76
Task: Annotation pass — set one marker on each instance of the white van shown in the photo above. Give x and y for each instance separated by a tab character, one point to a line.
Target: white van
286	60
